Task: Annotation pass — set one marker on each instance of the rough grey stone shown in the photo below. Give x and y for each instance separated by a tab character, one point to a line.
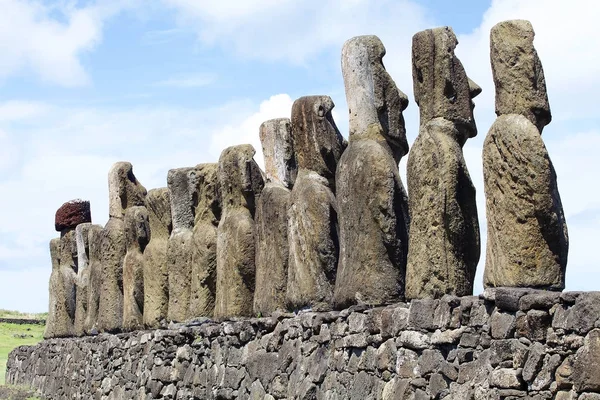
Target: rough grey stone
95	279
156	274
278	151
502	325
183	191
372	249
586	368
241	182
444	243
83	277
312	214
507	378
137	235
61	310
204	238
527	233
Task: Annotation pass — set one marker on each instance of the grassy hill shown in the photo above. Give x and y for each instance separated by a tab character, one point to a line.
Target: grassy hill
14	335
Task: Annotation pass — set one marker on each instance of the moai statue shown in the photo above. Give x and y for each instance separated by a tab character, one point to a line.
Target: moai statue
271	217
444	246
204	238
183	190
527	242
312	214
63	279
372	202
124	191
156	273
83	276
137	236
95	271
240	182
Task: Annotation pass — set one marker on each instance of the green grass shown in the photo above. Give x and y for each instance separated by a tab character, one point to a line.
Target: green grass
20	315
11	337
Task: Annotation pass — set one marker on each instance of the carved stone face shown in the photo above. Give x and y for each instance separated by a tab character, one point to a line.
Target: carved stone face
240	178
441	85
518	73
375	102
317	141
137	227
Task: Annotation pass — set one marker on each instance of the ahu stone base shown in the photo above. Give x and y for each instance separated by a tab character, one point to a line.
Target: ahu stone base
505	344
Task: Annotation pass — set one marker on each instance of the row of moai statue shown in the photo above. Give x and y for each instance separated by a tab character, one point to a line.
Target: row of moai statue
329	224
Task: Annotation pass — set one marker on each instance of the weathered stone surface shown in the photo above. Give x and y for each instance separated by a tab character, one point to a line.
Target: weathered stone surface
240	181
441	86
71	214
312	215
372	202
204	237
444	241
316	355
278	151
272	249
586	367
124	190
83	276
137	236
183	190
313	242
156	274
518	73
444	244
113	248
318	144
95	269
527	234
61	310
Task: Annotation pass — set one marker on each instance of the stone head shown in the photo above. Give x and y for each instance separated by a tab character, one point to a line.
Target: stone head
441	85
208	207
137	227
278	151
518	73
158	204
183	191
240	178
375	103
55	252
124	190
318	143
68	250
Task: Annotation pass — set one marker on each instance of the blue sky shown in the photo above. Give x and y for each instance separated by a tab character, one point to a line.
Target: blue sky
170	83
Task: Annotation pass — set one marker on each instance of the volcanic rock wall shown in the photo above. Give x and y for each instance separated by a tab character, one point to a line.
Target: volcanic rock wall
505	344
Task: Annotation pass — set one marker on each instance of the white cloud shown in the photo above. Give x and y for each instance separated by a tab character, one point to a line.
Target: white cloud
189	81
246	130
288	30
32	38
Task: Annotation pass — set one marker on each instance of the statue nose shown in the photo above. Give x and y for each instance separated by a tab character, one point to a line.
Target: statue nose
474	89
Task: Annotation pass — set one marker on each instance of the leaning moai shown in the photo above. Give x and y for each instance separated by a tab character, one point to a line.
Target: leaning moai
241	182
312	214
527	240
183	190
63	279
204	238
156	273
372	203
271	216
95	271
444	244
137	236
124	191
83	276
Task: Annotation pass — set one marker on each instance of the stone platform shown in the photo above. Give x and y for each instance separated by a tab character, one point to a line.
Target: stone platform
504	344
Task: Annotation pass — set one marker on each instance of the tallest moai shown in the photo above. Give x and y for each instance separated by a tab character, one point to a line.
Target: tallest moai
372	202
527	234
